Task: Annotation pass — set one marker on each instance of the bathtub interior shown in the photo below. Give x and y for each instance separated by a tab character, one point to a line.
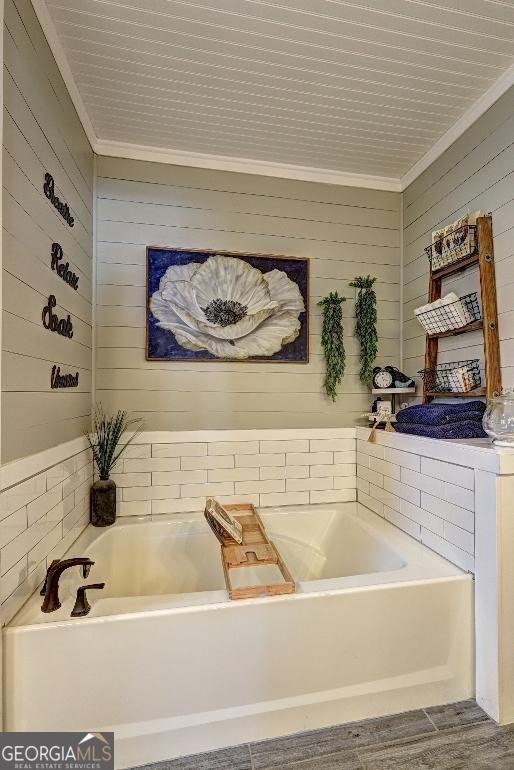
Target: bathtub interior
156	558
329	544
174	561
181	555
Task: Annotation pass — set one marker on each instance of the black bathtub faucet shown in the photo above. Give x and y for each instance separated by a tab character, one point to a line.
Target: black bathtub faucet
82	606
50	588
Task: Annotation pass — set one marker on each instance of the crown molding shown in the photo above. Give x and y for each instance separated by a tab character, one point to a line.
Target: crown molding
244	165
59	55
472	114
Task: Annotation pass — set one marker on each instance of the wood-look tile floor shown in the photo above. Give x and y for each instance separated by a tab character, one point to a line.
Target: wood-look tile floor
458	736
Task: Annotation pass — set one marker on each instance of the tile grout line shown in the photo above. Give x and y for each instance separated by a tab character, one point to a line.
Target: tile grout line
356	750
422	736
392	743
413	739
431	720
287	765
360	759
252	766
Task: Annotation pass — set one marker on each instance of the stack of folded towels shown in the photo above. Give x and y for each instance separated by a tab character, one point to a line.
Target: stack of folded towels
454	421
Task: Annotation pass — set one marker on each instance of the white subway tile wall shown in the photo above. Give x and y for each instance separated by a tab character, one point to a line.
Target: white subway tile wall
264	472
430	500
39	519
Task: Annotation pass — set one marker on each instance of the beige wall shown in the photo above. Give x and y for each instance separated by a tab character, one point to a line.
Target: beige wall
476	172
344	231
42	133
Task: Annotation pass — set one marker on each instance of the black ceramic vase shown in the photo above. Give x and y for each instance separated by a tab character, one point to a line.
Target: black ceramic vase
102	510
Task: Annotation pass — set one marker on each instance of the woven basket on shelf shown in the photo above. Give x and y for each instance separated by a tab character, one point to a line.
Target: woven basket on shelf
455	377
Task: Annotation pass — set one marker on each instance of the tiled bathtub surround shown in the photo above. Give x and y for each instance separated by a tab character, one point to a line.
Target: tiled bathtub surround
423	486
173	473
44	506
431	500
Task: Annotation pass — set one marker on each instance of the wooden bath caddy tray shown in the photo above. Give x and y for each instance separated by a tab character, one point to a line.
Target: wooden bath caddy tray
256	550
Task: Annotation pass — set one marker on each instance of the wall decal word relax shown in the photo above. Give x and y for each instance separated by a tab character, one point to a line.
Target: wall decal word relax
61	206
58	380
53	323
62	268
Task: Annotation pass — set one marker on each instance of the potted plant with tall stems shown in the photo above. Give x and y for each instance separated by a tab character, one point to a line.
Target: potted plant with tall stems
109	438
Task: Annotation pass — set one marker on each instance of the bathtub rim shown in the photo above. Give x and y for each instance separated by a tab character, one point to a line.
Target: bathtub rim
410	573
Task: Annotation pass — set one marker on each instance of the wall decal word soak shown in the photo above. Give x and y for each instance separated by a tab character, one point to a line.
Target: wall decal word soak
58	380
61	206
63	268
53	323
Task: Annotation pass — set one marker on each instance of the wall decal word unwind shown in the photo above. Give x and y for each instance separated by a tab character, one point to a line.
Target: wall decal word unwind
61	206
53	323
63	268
58	380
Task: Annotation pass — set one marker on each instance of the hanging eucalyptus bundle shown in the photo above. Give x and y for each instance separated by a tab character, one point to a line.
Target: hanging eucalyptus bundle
332	342
366	325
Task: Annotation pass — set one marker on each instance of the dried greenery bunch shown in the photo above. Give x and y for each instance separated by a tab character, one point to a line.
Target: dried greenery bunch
106	436
366	325
332	342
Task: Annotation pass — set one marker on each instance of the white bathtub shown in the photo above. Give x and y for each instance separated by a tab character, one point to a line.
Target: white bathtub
379	624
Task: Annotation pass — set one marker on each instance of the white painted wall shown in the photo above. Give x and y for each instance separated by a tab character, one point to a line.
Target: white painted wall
344	231
476	172
42	133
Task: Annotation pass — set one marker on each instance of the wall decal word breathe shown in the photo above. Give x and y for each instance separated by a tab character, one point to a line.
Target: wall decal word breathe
61	206
53	323
63	268
58	380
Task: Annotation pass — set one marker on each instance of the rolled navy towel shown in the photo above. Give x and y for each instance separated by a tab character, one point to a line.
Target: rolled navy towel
452	430
441	414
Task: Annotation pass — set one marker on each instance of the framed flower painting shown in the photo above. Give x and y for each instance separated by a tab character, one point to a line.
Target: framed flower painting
224	306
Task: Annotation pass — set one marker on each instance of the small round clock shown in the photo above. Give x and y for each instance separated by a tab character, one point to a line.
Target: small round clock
382	378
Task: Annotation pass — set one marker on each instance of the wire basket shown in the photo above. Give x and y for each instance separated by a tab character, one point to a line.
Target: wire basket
456	377
452	316
452	247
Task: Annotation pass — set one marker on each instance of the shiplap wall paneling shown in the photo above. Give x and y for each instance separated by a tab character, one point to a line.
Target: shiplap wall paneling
343	231
476	172
42	133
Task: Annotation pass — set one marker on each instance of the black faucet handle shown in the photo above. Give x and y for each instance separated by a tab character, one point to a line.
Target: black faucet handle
43	589
82	606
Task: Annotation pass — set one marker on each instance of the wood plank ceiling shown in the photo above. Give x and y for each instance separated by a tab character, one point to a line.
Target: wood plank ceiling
365	86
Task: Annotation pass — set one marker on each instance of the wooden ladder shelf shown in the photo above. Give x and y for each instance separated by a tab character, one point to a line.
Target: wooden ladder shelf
484	258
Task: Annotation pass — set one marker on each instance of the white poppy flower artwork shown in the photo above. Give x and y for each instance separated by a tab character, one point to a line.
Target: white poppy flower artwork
225	306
